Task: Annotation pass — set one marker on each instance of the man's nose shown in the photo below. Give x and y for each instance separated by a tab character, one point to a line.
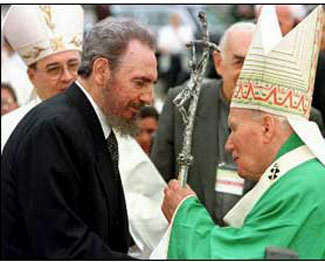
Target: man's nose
229	145
147	97
67	76
146	137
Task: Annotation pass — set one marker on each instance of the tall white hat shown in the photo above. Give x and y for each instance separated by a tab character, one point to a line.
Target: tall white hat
37	31
279	72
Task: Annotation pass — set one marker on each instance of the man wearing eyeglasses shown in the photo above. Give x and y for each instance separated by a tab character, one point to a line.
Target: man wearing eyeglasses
49	40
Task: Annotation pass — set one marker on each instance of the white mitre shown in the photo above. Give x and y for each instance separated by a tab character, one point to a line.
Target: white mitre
37	31
278	74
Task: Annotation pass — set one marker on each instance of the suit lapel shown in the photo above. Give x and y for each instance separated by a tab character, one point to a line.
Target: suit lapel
103	162
205	141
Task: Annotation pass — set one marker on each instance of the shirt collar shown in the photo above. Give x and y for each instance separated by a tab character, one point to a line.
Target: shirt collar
102	119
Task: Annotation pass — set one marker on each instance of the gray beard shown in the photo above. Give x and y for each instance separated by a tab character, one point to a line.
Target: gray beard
124	126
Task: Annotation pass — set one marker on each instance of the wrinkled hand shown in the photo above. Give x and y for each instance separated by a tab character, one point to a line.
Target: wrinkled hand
174	194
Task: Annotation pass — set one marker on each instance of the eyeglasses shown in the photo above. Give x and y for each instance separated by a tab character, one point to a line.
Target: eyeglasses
56	71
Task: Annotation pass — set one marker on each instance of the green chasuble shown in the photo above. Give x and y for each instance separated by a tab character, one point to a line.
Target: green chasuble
290	214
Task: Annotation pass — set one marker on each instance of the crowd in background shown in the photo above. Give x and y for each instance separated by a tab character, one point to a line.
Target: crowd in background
173	57
171	38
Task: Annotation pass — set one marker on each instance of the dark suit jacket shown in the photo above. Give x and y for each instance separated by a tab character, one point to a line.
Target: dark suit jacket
60	197
319	91
169	140
316	116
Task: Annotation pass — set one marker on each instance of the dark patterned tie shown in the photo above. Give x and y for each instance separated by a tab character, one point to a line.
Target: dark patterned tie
113	149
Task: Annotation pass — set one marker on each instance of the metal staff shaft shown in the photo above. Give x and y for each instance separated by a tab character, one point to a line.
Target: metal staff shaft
192	93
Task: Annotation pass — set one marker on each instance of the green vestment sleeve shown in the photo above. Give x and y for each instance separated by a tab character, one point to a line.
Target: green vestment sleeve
291	214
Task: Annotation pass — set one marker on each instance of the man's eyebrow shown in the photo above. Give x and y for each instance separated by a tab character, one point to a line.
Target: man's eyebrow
73	60
145	79
52	64
57	63
239	57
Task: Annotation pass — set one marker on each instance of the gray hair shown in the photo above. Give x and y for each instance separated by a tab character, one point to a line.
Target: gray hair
109	38
258	114
240	26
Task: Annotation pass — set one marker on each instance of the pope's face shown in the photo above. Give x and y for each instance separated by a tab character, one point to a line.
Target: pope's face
55	73
245	144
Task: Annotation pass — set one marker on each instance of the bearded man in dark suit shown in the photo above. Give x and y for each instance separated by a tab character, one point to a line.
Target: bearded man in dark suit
61	193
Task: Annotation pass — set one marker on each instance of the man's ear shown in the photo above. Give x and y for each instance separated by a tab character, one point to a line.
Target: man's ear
217	60
101	70
31	74
269	126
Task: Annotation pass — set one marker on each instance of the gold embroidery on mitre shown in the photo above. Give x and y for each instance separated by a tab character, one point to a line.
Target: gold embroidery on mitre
33	53
47	10
76	41
57	43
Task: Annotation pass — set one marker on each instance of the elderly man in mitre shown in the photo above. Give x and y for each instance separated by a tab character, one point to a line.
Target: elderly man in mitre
273	142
